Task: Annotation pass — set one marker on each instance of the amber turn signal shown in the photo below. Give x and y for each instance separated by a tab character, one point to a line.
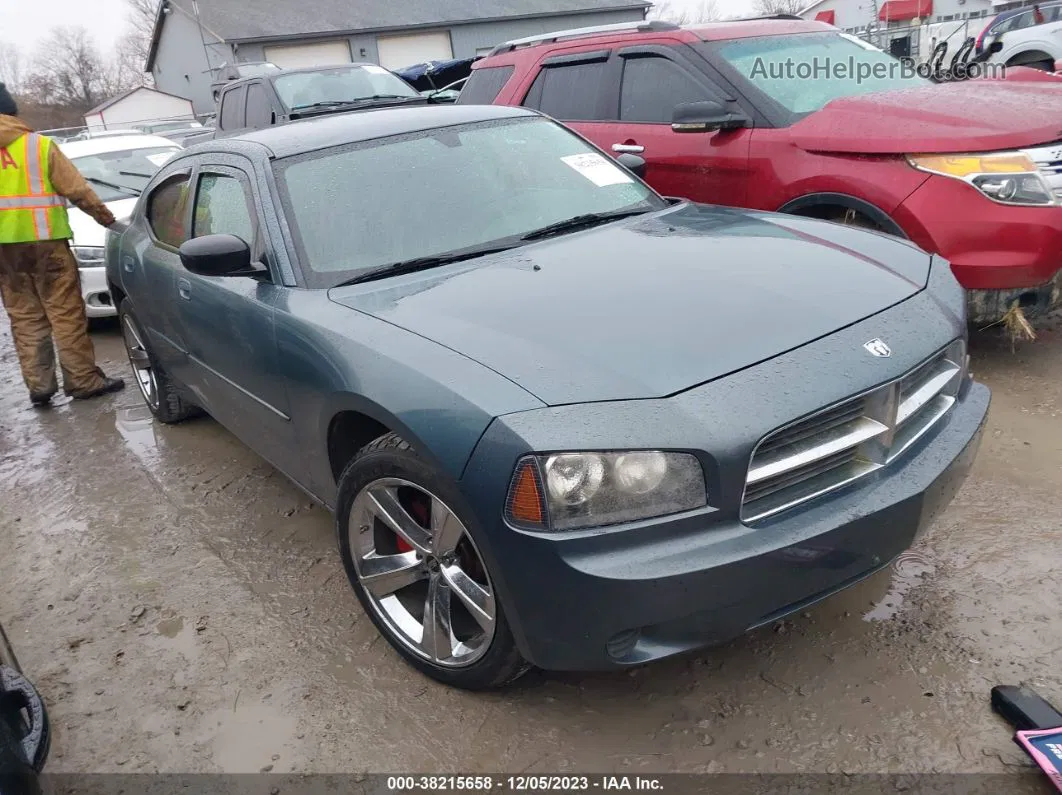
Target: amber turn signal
525	504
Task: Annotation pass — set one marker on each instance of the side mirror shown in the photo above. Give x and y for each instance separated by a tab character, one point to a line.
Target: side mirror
633	163
995	46
707	116
216	255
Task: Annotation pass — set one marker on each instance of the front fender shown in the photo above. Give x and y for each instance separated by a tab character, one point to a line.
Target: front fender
339	359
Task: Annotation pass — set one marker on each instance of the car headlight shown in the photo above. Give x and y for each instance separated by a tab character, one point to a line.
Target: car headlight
89	256
1004	177
568	491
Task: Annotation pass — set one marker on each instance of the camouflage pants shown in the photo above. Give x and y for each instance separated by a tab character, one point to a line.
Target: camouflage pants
41	289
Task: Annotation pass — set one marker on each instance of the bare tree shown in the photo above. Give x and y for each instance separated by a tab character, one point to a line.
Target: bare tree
772	7
12	74
704	11
69	70
141	24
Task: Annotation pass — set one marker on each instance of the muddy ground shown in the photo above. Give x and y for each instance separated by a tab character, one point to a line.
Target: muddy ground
182	608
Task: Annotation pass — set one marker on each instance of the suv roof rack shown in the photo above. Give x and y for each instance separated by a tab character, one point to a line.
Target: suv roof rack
644	26
767	16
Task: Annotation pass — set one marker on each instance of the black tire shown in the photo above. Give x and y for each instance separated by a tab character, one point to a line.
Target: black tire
854	218
392	457
168	407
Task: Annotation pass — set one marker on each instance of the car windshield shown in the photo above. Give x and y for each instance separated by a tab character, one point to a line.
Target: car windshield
345	84
124	174
804	72
364	206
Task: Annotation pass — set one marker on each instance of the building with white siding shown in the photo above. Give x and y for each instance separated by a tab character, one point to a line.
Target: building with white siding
193	40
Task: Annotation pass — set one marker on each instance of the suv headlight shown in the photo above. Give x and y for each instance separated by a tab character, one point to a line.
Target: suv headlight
568	491
1004	177
89	256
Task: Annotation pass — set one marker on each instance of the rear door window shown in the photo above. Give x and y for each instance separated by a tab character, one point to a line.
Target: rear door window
484	85
652	87
570	92
232	108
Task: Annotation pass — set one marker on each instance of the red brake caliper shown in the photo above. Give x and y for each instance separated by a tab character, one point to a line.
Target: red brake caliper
420	513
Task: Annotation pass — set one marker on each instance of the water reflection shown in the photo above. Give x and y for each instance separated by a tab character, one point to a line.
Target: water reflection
137	428
908	571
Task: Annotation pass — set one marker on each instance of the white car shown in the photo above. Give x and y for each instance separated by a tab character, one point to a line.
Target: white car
1030	39
117	168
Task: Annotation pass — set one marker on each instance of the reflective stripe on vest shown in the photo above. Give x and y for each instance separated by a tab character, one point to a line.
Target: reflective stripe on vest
30	209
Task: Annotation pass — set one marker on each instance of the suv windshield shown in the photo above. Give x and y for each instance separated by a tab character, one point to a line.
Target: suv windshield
367	205
804	72
344	84
124	174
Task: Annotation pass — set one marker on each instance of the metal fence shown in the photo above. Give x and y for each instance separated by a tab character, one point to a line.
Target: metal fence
919	41
80	133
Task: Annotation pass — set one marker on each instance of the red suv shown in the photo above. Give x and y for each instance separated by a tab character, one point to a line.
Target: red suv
788	115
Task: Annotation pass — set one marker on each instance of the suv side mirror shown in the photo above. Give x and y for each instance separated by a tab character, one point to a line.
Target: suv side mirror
707	116
633	163
216	255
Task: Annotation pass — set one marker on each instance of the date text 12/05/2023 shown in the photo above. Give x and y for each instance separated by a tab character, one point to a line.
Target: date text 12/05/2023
522	783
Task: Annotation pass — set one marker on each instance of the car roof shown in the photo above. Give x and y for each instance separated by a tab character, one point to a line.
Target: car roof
513	51
117	143
308	135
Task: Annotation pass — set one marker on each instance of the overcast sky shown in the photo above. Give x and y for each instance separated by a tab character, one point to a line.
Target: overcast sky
105	19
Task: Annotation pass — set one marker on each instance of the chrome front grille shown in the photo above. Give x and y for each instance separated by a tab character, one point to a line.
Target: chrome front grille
1048	160
846	441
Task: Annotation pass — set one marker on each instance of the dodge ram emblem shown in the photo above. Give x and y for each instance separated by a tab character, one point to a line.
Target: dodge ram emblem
878	348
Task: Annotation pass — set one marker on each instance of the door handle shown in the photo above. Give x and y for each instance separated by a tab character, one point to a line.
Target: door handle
629	149
128	264
184	289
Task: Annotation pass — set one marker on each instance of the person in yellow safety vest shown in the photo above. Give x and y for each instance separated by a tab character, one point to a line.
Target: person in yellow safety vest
39	280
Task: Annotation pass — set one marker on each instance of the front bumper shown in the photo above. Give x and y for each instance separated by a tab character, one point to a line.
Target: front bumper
610	600
616	596
991	246
97	295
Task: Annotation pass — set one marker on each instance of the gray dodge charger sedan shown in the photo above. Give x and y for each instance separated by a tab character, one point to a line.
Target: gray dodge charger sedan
561	420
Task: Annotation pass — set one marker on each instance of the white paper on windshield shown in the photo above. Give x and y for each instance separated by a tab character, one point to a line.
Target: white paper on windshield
373	69
160	158
597	169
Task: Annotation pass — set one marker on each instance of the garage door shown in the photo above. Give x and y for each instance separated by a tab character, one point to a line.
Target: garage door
399	51
321	53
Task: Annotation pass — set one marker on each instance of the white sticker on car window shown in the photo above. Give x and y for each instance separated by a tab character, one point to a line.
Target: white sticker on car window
160	158
597	169
373	69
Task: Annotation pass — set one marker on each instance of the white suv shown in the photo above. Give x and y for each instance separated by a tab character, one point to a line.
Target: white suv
1030	42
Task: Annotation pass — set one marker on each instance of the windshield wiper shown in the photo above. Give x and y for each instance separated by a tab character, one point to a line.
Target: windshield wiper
135	174
580	222
114	186
337	103
424	263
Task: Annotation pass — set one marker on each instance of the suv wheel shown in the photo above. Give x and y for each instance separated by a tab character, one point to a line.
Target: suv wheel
413	562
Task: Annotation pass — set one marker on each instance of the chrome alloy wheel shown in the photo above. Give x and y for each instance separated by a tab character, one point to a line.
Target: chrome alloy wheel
422	572
140	362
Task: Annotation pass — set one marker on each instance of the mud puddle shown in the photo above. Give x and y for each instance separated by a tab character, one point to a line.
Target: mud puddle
182	608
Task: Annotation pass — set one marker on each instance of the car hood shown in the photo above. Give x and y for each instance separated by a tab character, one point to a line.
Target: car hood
87	232
653	305
970	116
